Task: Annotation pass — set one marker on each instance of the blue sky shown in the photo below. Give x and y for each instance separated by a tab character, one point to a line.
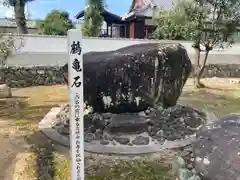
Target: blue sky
39	8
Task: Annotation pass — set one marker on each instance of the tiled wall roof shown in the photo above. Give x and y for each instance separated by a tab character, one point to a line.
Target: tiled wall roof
4	22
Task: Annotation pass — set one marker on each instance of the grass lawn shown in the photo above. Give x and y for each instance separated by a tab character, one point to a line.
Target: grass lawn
29	105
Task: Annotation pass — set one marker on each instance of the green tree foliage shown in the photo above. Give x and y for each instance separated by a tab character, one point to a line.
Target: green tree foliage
8	44
57	22
19	12
210	23
215	21
173	25
93	18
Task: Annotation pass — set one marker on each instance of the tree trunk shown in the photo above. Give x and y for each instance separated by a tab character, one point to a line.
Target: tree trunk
19	10
197	63
199	71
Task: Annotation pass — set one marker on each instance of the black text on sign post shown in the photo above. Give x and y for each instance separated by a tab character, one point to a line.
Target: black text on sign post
76	102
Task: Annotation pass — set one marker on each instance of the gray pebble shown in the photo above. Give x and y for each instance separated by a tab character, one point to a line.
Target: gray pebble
88	137
107	137
104	142
98	134
122	140
147	111
194	177
63	130
142	113
190	166
140	140
184	174
160	133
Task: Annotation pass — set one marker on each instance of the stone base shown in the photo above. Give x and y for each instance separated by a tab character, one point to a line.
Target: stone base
105	133
175	123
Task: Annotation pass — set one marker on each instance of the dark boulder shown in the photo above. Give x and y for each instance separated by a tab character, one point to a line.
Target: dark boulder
133	78
217	150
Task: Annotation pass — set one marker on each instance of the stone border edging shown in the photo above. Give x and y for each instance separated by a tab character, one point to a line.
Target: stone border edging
45	127
19	77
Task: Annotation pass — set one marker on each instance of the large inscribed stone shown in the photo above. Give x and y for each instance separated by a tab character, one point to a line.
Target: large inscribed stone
135	77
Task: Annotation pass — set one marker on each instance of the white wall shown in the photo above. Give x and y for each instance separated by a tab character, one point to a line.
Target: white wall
52	50
38	43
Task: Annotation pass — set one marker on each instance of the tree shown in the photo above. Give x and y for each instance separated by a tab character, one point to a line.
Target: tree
19	12
93	18
8	44
57	22
215	21
211	22
173	25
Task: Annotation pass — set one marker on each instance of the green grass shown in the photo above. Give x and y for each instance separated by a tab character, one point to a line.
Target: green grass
22	122
220	98
118	169
31	104
135	170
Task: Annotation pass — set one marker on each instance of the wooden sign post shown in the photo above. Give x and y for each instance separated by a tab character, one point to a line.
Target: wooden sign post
76	103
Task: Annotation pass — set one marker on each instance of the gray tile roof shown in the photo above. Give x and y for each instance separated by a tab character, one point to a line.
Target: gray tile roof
142	6
5	22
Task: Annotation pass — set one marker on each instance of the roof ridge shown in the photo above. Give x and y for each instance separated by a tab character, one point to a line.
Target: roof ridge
139	4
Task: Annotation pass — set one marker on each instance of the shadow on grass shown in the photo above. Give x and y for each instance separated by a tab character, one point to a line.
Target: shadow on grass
44	163
19	109
13	102
41	165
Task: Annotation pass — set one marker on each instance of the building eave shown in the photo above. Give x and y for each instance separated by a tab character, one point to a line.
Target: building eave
79	15
107	15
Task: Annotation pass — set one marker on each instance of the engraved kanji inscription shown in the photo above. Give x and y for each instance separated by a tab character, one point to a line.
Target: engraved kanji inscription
76	48
76	65
77	82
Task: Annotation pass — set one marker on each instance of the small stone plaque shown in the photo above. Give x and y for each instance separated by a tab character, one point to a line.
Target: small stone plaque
127	123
